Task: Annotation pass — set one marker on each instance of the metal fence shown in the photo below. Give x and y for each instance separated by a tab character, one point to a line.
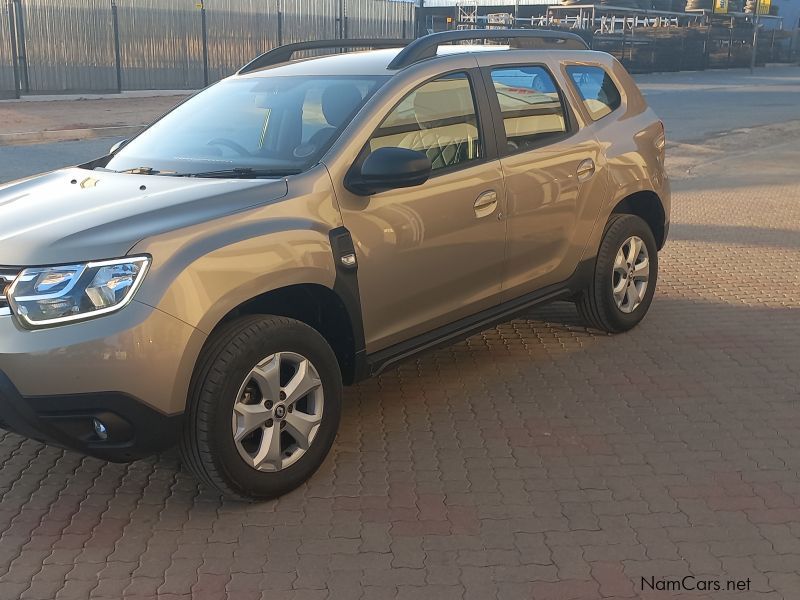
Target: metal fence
67	46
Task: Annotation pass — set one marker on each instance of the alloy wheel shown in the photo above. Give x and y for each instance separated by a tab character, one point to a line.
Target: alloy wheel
277	412
631	274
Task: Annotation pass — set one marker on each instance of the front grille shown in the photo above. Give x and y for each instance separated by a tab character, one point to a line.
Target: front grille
7	275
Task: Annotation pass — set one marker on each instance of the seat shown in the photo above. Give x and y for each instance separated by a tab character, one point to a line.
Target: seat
339	103
440	136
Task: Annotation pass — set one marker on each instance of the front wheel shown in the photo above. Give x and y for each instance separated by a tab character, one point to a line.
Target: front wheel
264	407
624	280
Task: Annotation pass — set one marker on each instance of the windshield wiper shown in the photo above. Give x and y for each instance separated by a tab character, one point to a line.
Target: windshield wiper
238	172
141	171
243	173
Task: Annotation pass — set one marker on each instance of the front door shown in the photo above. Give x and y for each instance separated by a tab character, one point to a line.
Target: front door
431	254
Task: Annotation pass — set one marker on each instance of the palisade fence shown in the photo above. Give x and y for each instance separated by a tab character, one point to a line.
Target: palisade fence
71	46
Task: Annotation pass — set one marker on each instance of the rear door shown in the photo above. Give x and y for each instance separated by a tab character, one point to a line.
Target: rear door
553	170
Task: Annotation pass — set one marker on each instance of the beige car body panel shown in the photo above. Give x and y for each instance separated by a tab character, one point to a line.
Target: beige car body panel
210	269
148	352
626	139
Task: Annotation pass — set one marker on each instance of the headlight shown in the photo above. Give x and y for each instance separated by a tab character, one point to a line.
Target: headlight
45	296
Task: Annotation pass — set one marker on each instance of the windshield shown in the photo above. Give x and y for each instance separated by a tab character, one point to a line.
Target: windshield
255	126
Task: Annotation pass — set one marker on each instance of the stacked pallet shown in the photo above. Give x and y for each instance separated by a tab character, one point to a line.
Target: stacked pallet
615	3
691	42
657	49
730	47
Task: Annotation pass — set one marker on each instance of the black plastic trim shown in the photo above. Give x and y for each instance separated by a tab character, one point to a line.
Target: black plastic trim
481	95
284	53
134	429
463	328
346	287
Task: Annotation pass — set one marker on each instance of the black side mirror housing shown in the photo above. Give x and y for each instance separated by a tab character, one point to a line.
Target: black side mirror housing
387	169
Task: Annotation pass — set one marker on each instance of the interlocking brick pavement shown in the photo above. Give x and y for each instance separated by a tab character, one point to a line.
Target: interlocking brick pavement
537	460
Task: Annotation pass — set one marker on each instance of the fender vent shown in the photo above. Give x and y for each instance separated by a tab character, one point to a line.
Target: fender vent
6	277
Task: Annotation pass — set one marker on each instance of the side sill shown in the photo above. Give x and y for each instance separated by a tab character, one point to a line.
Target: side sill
379	361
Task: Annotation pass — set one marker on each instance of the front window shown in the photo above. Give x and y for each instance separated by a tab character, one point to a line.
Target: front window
438	119
279	125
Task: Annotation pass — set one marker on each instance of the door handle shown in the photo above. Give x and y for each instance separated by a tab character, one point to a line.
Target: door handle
586	169
485	204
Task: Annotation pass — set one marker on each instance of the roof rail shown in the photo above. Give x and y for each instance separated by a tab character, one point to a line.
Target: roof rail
541	39
284	53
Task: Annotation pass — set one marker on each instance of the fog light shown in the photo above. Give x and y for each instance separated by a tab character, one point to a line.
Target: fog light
100	430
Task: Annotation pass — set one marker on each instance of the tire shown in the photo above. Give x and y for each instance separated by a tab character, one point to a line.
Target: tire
224	377
597	304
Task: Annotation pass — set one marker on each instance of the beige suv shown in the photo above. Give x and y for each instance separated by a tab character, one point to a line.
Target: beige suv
309	222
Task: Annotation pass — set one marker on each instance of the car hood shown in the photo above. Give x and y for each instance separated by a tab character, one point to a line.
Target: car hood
75	215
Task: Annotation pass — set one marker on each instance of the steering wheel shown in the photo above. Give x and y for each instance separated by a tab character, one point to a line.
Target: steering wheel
236	147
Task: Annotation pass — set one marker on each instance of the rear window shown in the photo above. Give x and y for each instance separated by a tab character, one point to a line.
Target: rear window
597	89
530	105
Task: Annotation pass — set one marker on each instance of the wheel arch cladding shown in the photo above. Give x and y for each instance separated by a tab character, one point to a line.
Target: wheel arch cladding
317	306
648	206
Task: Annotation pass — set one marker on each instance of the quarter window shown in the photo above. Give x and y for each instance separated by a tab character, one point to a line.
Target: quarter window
530	105
439	119
597	89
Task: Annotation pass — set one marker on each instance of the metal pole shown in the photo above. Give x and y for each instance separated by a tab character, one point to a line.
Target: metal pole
622	54
117	52
730	45
756	15
280	22
12	29
772	47
204	29
19	22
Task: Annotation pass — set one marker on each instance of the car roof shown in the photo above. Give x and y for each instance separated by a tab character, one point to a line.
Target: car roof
376	62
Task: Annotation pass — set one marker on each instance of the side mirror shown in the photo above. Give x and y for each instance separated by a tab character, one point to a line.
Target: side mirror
388	169
118	146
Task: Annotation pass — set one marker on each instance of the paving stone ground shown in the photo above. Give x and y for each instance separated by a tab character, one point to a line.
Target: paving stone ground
538	460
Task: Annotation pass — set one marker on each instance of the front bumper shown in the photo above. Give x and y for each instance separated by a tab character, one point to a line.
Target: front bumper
130	370
132	429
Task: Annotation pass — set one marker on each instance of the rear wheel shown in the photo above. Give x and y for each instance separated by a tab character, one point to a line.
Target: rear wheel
264	407
624	279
